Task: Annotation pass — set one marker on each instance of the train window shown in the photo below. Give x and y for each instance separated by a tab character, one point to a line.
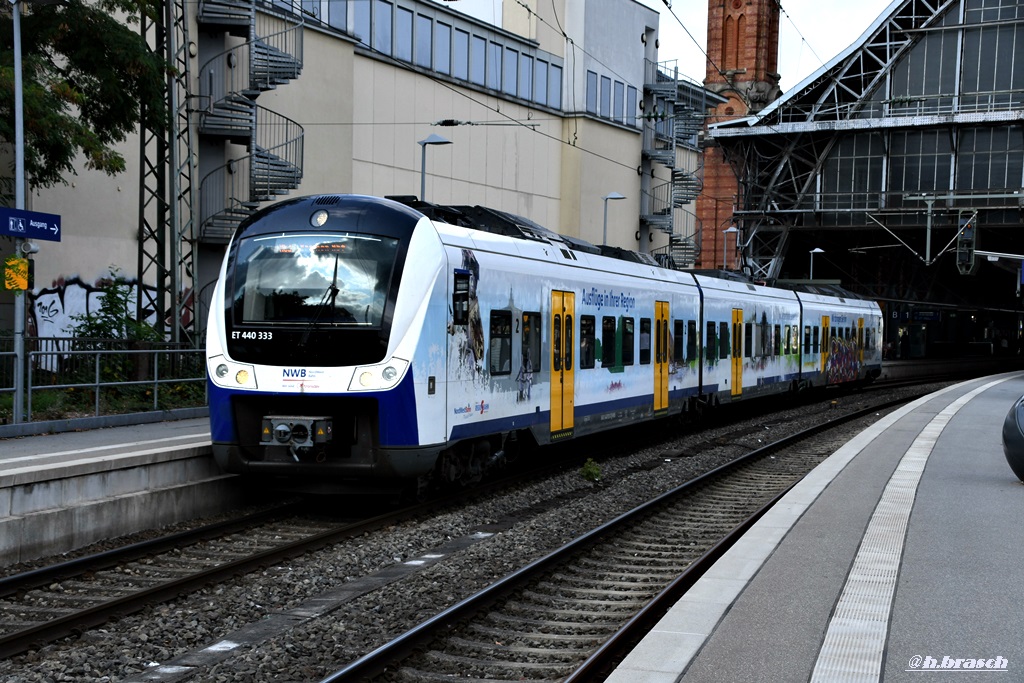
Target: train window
691	340
763	332
815	332
627	341
710	342
607	341
587	325
723	340
785	341
531	342
678	343
807	339
556	344
777	346
501	343
748	339
645	341
568	343
460	299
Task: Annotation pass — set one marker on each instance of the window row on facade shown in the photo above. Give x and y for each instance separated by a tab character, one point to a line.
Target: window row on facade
446	46
611	99
860	168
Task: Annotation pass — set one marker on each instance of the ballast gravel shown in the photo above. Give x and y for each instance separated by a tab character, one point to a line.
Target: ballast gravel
127	648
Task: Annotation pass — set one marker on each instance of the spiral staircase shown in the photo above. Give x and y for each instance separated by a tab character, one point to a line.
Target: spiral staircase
670	125
229	85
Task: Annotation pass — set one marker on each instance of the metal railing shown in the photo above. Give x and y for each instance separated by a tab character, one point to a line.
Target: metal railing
76	377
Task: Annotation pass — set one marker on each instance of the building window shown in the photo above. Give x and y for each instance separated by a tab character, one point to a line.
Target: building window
631	106
461	55
361	17
510	79
540	84
525	76
555	87
591	92
619	102
337	14
443	48
382	18
494	67
478	60
424	40
606	97
403	34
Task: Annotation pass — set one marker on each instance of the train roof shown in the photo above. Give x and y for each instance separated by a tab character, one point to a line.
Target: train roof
508	224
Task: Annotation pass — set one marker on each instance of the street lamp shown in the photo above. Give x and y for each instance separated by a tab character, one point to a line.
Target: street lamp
610	195
816	250
431	139
730	229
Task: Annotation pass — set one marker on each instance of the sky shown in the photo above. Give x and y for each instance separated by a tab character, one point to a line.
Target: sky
811	32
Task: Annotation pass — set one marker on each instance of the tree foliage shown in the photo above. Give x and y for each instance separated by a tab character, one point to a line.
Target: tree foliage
88	78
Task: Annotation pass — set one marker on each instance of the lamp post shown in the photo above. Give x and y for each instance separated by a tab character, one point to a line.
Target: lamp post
610	195
431	139
731	229
816	250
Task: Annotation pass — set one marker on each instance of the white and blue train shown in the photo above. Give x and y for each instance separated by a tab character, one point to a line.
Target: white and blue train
361	338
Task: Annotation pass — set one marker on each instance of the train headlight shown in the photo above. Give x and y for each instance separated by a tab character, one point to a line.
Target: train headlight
377	377
231	375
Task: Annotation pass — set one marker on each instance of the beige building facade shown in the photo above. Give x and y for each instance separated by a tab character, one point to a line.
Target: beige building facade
560	106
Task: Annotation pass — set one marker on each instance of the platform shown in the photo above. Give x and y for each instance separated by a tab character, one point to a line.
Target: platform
899	559
59	492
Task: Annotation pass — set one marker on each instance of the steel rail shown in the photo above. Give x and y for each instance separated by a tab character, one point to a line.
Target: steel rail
375	662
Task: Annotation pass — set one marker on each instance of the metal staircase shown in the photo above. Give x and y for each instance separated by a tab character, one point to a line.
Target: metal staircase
229	85
671	124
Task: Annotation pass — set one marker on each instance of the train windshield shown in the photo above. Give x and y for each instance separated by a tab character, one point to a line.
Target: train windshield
337	279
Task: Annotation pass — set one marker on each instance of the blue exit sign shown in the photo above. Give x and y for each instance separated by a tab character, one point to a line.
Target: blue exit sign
29	225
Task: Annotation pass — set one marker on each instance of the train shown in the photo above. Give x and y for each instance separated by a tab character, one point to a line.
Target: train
374	341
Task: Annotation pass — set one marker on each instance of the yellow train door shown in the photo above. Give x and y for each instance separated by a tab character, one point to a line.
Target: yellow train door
737	352
562	345
826	342
660	356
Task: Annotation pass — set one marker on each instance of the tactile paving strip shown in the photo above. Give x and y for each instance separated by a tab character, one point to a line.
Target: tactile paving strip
855	640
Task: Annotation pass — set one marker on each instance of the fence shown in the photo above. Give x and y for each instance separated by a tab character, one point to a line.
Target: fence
78	377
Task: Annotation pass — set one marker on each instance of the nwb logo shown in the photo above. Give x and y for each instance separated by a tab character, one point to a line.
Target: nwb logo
293	372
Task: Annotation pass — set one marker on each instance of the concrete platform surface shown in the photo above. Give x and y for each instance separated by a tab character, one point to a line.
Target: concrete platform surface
900	558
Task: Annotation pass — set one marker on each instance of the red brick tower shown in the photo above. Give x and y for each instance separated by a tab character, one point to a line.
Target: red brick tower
743	54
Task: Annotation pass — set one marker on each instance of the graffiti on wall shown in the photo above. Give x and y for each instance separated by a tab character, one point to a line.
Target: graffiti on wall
56	311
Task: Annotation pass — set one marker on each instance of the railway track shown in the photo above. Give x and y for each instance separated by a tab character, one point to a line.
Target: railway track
53	618
568	615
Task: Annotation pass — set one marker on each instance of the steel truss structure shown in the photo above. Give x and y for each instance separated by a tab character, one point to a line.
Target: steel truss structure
907	130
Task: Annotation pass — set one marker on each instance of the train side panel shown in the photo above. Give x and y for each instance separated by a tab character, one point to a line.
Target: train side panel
748	329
